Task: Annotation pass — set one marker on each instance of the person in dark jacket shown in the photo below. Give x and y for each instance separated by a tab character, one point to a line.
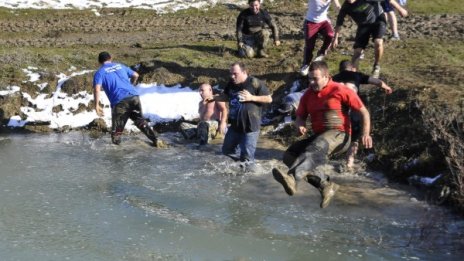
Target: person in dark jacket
252	37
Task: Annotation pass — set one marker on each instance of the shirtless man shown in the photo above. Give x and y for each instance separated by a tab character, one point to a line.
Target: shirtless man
213	118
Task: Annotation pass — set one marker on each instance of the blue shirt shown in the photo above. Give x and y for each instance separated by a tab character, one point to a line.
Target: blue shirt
115	80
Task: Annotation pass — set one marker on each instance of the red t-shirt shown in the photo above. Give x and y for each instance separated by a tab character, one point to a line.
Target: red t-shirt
328	108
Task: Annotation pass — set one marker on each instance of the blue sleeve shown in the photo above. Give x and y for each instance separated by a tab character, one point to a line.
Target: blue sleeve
128	70
97	79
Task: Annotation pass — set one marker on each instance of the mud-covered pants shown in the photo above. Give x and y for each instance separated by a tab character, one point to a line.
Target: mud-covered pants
129	108
205	131
304	156
254	43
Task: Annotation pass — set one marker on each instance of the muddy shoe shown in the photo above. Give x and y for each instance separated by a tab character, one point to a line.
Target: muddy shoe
304	70
319	58
262	54
160	144
116	139
327	193
287	181
376	71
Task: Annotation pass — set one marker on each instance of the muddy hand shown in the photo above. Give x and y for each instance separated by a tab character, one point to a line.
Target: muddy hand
99	111
245	96
367	141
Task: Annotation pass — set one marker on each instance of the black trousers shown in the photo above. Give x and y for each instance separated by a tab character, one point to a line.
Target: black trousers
129	108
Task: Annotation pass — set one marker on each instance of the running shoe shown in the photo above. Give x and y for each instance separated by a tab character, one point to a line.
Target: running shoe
376	71
304	70
319	58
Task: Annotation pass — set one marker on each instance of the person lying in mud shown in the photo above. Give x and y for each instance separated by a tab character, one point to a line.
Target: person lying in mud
117	81
246	95
252	37
326	103
352	79
213	118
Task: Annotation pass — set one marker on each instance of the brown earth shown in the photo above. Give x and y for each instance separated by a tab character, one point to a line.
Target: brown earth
416	122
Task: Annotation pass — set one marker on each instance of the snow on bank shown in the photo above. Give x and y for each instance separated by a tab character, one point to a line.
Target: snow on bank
158	5
159	104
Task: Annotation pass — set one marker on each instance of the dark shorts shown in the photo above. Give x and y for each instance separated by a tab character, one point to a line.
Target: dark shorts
387	7
377	30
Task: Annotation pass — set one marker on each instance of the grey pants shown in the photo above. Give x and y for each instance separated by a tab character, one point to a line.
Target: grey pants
304	156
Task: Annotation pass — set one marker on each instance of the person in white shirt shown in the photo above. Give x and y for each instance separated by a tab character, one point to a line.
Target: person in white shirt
317	22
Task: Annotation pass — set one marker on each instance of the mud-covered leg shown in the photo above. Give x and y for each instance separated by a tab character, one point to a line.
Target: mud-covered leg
119	117
137	117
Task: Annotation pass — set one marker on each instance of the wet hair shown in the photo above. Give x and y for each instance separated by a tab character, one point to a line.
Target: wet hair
345	65
103	57
320	65
240	64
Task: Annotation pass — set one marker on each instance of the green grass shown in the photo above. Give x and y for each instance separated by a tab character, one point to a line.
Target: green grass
436	6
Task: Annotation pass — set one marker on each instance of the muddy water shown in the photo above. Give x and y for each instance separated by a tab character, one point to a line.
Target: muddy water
71	197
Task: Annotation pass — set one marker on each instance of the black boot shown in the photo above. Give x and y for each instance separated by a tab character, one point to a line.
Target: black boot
150	133
203	133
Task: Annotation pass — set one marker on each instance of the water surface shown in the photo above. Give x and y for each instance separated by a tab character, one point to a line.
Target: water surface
71	197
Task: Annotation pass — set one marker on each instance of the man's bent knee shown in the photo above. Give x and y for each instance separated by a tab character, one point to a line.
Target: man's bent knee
289	158
378	42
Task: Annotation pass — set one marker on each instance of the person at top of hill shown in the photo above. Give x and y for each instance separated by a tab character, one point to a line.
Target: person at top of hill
368	15
317	23
252	37
389	8
371	21
117	81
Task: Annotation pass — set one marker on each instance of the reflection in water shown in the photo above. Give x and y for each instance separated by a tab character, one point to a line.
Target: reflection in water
73	197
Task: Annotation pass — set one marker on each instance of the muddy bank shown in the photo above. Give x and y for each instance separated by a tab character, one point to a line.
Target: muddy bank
417	130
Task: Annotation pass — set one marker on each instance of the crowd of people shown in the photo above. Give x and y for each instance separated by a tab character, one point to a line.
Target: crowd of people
339	118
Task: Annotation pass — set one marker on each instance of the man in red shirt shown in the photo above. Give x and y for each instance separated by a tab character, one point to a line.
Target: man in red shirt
327	103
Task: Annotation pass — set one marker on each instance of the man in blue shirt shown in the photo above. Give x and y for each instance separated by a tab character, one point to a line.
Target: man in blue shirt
117	81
